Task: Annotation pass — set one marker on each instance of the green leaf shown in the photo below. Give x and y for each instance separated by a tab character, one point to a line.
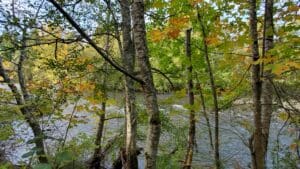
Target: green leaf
28	154
42	166
64	157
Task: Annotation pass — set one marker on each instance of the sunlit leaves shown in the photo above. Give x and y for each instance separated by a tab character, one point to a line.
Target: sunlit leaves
85	87
293	8
282	67
283	116
156	35
158	4
195	2
212	40
172	30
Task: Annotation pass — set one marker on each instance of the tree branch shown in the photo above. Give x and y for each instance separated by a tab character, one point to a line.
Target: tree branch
164	75
93	44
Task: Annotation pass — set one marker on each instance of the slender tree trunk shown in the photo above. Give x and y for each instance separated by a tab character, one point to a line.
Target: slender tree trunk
129	61
141	49
206	116
20	71
3	159
192	129
23	100
214	94
28	110
256	141
98	156
267	88
27	113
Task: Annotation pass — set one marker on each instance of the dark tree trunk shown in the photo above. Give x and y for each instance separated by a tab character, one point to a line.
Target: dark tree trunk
98	156
214	94
26	111
141	50
256	141
206	117
190	87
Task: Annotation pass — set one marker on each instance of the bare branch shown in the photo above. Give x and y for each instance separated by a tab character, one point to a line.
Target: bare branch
164	75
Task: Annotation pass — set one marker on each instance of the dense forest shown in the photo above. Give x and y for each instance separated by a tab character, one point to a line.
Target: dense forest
154	84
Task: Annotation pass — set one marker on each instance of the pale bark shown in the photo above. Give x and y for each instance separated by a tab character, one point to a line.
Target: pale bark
190	87
128	58
141	50
256	141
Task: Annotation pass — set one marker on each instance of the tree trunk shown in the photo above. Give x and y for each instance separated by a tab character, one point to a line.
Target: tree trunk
141	49
190	87
256	141
24	99
98	156
26	112
214	94
205	116
130	109
267	88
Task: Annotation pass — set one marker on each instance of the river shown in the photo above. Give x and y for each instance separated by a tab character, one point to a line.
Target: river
233	132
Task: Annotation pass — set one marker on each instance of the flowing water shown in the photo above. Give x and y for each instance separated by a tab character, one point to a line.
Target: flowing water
233	132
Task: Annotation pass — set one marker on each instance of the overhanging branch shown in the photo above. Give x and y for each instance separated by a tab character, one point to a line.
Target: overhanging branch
99	50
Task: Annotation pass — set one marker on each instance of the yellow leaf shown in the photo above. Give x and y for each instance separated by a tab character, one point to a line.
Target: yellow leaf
173	32
268	59
80	108
212	40
293	146
293	64
194	2
293	8
7	64
278	69
158	4
83	87
179	22
156	35
282	116
111	101
90	68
